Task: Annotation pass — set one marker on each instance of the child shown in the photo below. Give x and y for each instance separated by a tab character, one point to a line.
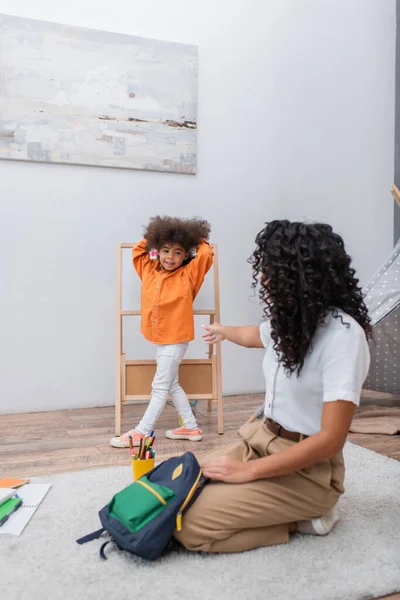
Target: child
171	279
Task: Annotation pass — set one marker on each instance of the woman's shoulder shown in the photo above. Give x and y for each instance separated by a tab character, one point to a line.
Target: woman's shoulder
344	356
340	324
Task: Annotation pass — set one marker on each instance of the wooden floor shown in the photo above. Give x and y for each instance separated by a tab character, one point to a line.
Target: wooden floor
70	440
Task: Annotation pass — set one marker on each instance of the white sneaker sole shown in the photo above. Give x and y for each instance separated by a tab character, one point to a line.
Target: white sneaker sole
189	438
115	442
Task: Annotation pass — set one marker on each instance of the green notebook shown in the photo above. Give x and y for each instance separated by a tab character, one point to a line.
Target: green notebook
7	509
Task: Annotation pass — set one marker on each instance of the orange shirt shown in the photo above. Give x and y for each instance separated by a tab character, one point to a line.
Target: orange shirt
167	297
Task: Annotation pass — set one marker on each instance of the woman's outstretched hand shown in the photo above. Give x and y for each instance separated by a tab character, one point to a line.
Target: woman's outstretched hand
228	469
213	333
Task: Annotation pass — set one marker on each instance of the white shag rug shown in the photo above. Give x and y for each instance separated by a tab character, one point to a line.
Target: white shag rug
360	559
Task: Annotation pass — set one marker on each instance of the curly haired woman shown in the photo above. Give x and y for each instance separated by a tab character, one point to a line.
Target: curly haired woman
286	473
171	279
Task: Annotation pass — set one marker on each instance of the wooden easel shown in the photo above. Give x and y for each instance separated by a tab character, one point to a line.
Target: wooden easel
396	193
200	378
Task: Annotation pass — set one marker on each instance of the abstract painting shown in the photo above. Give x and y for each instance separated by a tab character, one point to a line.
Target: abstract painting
81	96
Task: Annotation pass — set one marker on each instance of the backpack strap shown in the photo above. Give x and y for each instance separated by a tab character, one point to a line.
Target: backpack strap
102	554
91	536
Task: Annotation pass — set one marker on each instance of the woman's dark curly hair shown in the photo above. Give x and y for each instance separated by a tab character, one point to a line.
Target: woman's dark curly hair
305	273
188	233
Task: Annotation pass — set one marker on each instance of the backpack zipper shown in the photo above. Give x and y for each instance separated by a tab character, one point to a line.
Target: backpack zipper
188	499
150	489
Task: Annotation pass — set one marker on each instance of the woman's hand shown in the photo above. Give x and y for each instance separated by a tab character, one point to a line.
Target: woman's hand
228	469
213	333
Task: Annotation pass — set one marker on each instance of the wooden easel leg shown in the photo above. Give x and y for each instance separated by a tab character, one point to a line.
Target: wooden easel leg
118	379
120	398
217	317
210	355
220	407
220	399
396	194
123	388
118	404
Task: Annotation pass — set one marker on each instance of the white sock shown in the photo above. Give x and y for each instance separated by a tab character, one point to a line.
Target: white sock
322	525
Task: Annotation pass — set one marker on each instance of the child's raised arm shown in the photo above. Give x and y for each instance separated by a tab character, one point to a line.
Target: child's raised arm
200	265
141	258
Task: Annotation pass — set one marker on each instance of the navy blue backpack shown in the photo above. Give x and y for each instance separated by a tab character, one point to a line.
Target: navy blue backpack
142	517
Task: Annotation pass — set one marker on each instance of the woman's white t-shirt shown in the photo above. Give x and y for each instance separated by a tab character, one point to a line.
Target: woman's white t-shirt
335	369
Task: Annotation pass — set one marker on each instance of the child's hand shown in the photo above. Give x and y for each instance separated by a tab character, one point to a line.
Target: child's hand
214	333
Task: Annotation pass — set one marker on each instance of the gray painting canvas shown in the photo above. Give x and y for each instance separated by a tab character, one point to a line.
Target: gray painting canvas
81	96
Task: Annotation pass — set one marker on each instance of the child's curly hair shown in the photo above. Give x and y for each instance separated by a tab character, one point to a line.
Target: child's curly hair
188	233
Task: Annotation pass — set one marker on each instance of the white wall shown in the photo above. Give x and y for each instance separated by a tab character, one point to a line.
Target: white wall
296	119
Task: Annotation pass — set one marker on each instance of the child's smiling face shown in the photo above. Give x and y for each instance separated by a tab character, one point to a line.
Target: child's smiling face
172	256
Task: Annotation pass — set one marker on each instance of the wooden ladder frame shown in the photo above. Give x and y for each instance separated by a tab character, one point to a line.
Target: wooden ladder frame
201	378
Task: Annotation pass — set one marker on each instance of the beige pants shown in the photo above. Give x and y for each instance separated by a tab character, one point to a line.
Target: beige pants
235	517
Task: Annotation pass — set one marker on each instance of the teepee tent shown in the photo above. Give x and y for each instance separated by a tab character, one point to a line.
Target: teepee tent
383	301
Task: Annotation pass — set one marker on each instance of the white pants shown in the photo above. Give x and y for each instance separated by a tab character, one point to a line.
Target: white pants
165	382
